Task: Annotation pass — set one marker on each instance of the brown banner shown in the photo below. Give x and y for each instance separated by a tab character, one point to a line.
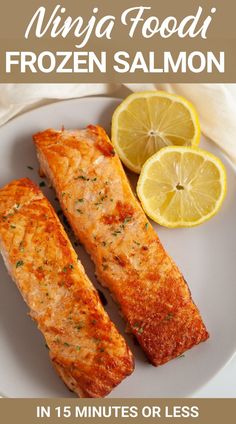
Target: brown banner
124	41
198	411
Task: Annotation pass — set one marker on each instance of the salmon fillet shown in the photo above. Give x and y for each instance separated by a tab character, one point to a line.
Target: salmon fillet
104	214
84	345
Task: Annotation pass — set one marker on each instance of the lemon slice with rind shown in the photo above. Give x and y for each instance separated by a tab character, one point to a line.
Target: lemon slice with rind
182	186
148	121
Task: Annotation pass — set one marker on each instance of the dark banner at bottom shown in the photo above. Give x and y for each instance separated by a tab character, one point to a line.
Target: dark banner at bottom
199	411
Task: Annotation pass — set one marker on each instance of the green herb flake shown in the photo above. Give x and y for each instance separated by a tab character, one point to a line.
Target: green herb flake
30	167
136	325
78	348
94	179
104	243
146	225
42	184
169	316
94	321
181	356
126	220
19	263
21	246
46	346
80	200
13	226
78	327
66	344
102	349
65	268
79	211
81	177
116	232
136	242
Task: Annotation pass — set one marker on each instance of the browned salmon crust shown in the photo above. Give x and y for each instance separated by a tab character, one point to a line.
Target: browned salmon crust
85	347
106	217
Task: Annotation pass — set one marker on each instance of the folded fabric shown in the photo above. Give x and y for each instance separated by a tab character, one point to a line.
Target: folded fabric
215	103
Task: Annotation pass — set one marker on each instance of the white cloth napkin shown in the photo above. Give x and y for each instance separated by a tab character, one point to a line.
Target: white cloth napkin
215	103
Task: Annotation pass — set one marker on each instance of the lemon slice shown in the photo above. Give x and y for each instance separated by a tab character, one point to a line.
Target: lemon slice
182	186
145	122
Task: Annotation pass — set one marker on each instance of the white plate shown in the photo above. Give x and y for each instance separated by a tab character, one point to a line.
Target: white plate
206	255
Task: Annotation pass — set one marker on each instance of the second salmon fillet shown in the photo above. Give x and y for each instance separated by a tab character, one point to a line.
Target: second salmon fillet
104	214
